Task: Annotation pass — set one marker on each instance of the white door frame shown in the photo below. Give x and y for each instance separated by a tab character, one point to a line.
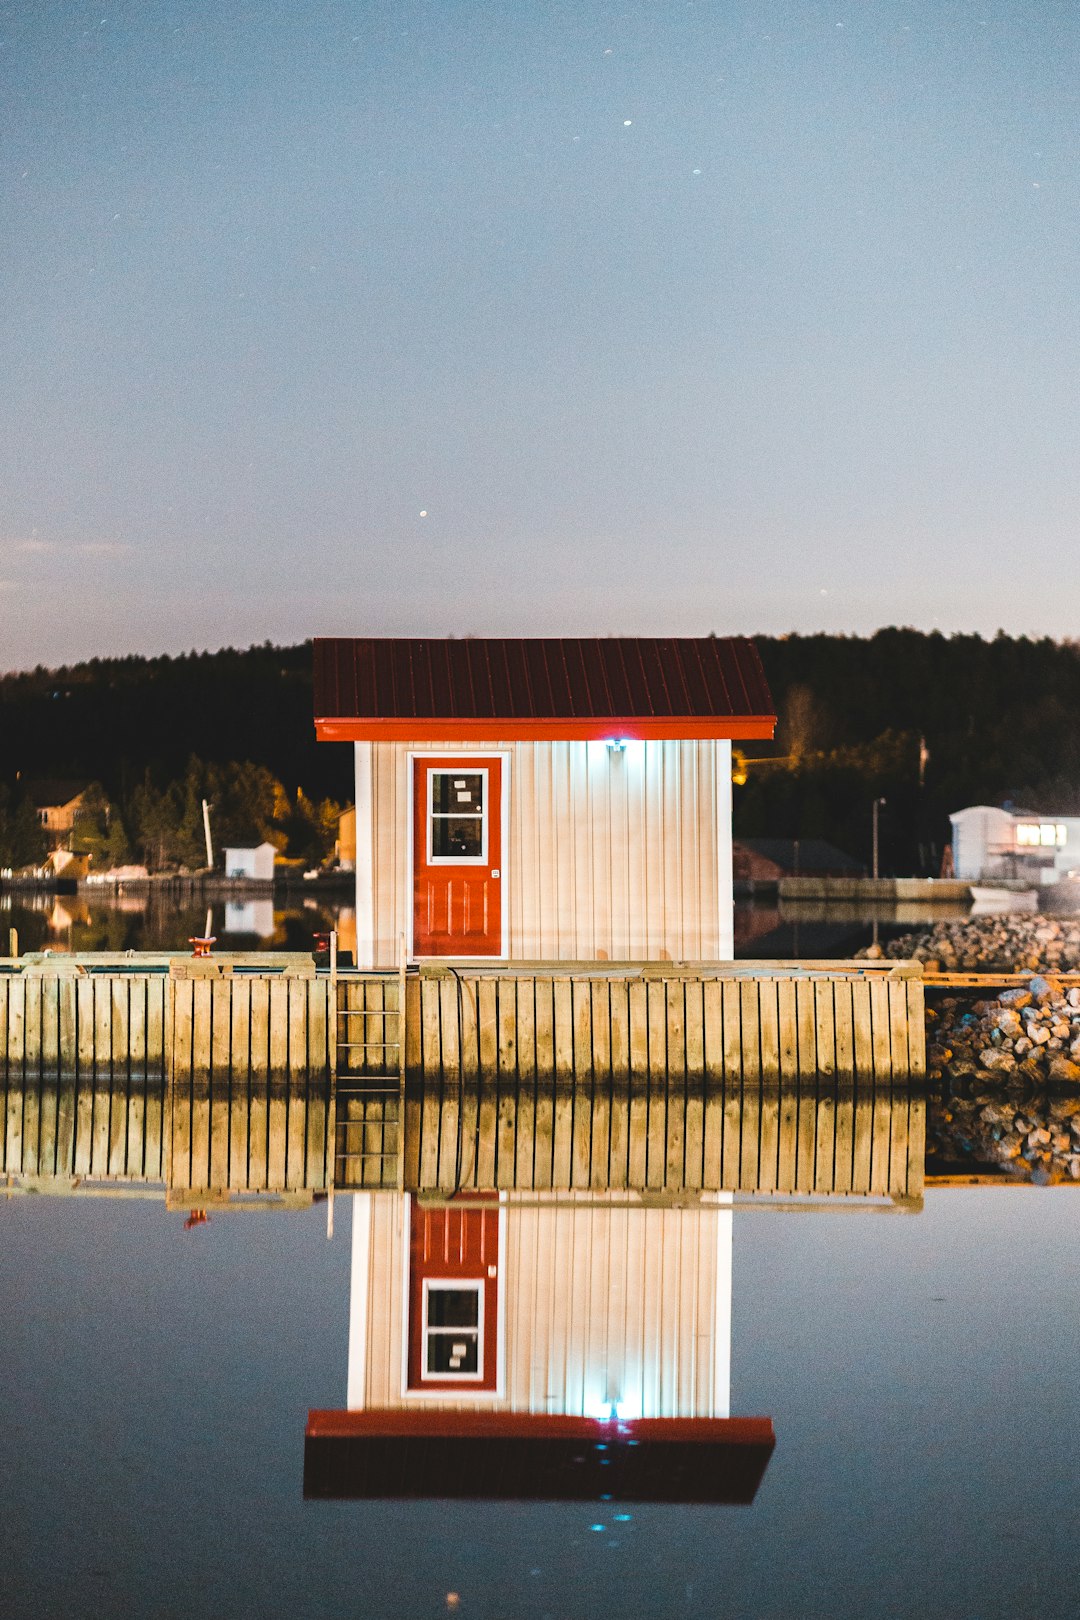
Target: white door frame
411	756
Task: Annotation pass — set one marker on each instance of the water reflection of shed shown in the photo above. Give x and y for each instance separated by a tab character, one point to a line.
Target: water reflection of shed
555	800
589	1338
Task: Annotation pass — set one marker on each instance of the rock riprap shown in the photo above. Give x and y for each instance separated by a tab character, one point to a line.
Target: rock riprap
1030	1036
1005	944
1027	1138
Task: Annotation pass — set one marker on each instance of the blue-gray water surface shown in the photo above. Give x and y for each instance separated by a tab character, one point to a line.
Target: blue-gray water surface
921	1372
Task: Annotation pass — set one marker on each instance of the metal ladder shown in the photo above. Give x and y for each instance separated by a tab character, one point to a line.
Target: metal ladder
368	1106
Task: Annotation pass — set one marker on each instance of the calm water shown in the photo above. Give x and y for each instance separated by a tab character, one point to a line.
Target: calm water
763	928
920	1371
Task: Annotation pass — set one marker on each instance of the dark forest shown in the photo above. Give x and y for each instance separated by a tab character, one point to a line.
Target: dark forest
927	721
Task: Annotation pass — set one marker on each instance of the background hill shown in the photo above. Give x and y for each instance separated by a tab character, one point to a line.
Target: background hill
990	720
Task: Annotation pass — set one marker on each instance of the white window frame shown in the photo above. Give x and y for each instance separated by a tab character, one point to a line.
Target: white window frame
458	860
443	1285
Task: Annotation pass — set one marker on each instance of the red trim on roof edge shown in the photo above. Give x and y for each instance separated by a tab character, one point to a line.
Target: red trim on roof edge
446	730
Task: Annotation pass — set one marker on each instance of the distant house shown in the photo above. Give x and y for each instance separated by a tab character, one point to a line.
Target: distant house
256	864
346	839
542	800
990	842
766	860
59	805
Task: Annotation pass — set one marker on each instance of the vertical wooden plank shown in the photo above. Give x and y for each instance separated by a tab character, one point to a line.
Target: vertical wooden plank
506	1096
433	1082
32	1070
296	1142
898	1029
806	1129
50	1066
600	1035
135	1146
862	1138
544	1031
13	1148
563	1134
638	1083
487	1013
180	1092
277	1105
201	1063
318	1085
825	1150
749	1154
155	1166
119	1076
787	1146
732	1138
916	1022
675	1085
258	1054
769	1036
527	1120
583	1082
239	1074
843	1011
414	1076
451	1145
618	1154
882	1069
65	1084
880	1032
713	1106
218	1084
102	1070
863	1038
84	1076
694	1034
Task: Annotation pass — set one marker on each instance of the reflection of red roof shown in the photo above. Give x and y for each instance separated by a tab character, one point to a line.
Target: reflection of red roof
521	1455
511	690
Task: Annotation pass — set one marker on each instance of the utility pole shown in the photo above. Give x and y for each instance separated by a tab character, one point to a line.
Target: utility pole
877	806
210	842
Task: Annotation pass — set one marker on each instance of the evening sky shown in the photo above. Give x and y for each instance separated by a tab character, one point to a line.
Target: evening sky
671	317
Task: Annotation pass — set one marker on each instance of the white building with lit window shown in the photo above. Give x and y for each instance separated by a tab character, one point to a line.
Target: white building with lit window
990	843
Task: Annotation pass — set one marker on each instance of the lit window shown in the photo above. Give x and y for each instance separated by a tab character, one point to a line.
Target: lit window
453	1329
1041	834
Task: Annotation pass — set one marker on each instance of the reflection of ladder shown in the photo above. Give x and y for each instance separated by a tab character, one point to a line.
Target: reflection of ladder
368	1041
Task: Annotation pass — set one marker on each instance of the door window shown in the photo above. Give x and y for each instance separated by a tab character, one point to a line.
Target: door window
457	818
453	1329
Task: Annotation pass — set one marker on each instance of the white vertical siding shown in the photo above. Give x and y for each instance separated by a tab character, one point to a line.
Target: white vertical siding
602	1303
610	856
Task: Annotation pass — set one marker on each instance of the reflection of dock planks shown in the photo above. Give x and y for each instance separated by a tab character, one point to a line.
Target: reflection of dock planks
665	1081
242	1076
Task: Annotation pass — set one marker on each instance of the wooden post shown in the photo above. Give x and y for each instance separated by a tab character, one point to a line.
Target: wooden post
13	942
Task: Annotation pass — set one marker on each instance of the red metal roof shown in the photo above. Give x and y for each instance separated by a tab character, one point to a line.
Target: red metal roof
533	1456
513	689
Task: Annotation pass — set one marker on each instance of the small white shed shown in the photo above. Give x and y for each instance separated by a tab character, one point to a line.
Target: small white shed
527	800
255	864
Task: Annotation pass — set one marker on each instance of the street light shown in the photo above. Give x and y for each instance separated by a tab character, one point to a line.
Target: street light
877	806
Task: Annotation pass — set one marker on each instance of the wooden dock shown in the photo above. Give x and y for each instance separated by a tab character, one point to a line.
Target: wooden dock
233	1077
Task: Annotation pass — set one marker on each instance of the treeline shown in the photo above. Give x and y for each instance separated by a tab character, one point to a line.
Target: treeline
928	722
161	826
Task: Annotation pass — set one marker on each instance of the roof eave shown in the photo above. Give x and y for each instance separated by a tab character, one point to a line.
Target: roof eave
688	728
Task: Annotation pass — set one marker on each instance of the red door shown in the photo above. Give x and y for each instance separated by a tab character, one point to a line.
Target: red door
454	1298
457	856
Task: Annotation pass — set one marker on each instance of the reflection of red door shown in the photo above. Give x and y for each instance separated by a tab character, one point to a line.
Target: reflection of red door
454	1298
457	856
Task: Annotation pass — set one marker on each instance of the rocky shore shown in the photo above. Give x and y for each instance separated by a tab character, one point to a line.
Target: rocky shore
1004	1071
